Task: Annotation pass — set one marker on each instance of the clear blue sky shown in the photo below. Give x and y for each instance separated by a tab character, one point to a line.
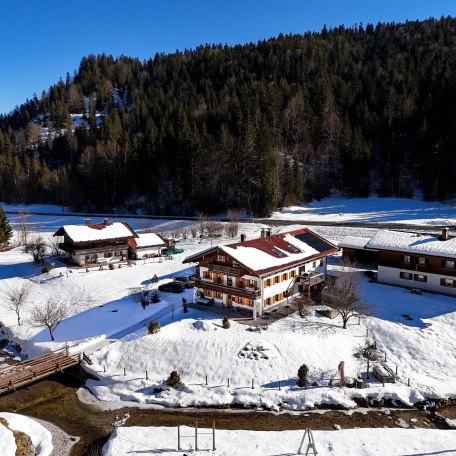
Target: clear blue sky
42	40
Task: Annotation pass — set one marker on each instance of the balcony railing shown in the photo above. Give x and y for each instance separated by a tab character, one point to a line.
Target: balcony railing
87	251
214	286
224	270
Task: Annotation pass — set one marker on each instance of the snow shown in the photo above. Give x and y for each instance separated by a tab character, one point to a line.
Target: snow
40	437
148	239
99	232
354	242
371	210
256	259
412	242
353	442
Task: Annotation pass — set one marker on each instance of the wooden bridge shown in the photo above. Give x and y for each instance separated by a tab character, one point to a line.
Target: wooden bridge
36	368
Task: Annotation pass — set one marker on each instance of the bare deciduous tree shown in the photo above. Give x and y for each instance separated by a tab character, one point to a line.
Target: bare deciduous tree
214	228
37	248
202	219
24	230
344	294
50	315
54	245
232	228
17	296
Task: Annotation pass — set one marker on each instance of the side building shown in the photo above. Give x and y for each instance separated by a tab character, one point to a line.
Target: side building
147	245
262	274
411	260
95	243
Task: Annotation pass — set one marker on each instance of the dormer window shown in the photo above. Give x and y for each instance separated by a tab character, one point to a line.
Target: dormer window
277	252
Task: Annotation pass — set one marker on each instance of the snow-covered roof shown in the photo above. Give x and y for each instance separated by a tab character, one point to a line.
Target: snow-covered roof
97	231
270	253
413	243
354	242
147	240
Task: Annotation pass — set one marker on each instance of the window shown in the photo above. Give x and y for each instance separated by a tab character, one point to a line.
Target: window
276	298
267	283
221	258
406	259
321	262
118	253
447	282
219	279
268	301
422	260
293	248
448	264
252	283
406	275
277	252
276	279
293	274
219	295
229	281
108	255
420	278
206	275
284	276
235	264
314	264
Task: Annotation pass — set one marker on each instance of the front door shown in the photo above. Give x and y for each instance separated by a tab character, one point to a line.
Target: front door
228	300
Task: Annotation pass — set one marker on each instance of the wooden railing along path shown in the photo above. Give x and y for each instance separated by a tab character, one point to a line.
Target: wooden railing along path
36	368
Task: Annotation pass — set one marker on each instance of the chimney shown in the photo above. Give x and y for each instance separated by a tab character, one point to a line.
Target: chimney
262	233
267	232
445	234
106	221
88	221
243	237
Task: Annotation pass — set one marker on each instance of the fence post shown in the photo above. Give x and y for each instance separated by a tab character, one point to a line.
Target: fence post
279	386
396	370
385	357
206	380
178	438
213	436
104	369
196	435
147	376
367	332
228	382
408	382
125	372
253	383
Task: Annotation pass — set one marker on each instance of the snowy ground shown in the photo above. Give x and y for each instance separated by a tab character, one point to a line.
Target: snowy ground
354	442
421	346
41	438
371	210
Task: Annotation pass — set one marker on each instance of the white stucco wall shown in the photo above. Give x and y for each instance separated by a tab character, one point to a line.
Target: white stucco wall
392	276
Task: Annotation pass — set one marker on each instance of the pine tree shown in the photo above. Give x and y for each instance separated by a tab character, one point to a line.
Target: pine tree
6	231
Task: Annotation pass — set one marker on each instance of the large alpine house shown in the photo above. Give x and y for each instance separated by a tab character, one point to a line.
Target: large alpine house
264	273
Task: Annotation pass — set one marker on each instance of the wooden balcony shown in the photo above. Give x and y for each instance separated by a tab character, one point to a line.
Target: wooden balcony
228	270
74	250
243	292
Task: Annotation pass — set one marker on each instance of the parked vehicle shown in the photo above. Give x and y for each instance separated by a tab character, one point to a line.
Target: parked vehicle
172	251
205	301
172	287
187	282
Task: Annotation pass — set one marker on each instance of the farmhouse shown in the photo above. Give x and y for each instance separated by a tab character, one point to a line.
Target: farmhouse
262	274
146	245
411	260
95	243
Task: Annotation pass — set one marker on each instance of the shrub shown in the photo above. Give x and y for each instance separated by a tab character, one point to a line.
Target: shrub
174	380
153	327
155	297
45	270
226	322
303	372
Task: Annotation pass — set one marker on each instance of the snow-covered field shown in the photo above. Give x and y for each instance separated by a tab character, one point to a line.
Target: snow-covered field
422	346
371	210
41	438
353	442
106	320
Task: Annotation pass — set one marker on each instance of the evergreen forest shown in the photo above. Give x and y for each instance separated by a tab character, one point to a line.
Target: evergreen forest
353	111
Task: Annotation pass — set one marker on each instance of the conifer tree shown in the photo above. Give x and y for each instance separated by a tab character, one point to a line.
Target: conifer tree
6	231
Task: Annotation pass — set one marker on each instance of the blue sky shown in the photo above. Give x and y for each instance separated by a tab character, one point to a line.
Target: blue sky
42	40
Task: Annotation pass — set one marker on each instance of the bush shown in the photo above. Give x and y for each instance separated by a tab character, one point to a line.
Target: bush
155	297
303	372
45	270
174	380
153	327
226	322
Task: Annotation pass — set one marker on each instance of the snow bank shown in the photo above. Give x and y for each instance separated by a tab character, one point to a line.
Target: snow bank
41	437
353	442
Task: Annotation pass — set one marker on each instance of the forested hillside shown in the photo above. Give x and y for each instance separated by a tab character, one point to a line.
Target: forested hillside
259	126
